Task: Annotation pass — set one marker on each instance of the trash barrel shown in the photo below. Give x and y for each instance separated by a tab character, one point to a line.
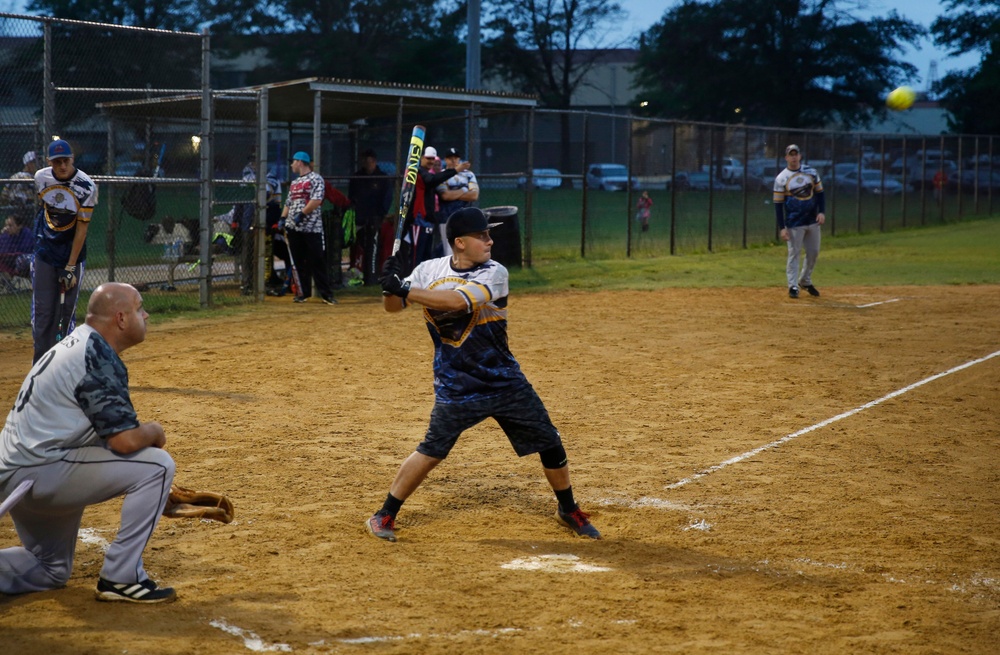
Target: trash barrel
506	235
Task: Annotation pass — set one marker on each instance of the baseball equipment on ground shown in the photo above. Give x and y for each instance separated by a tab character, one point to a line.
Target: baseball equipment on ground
15	496
185	503
67	277
901	99
409	182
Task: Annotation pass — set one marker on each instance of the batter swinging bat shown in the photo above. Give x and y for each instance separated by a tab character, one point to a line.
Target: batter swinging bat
409	182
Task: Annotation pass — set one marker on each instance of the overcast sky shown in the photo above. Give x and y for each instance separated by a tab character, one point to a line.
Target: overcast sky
644	13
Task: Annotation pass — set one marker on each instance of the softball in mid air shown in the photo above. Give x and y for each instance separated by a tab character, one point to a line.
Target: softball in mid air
901	99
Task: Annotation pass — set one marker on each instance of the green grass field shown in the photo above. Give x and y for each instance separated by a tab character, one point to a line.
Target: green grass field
966	252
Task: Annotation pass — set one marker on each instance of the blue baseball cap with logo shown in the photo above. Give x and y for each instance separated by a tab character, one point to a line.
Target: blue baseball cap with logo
302	156
59	149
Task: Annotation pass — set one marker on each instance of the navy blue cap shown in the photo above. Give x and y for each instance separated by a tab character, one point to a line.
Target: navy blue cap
468	220
59	149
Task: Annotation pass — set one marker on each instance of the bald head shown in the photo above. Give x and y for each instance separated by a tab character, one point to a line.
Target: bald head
115	310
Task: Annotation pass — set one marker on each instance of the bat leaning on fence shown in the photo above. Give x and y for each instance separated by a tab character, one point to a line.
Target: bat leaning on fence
409	182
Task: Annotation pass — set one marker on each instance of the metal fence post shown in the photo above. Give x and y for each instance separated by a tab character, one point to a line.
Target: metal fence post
260	235
529	195
48	89
673	189
583	217
205	203
628	190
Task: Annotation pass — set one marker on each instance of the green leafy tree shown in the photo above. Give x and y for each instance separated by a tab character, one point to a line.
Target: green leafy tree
537	46
972	96
796	63
407	41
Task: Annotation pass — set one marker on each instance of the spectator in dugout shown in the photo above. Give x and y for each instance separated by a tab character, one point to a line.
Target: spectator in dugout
370	192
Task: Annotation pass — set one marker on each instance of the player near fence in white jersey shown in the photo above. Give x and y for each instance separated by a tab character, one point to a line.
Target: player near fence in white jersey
475	375
68	198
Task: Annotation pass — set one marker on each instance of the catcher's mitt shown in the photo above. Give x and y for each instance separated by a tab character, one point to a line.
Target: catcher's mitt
185	503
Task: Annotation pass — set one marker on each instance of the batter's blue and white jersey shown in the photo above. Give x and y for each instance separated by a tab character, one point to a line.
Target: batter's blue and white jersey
471	357
75	395
798	190
64	204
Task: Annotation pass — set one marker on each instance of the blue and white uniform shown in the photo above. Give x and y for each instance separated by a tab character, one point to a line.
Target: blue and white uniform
798	199
66	204
74	398
475	374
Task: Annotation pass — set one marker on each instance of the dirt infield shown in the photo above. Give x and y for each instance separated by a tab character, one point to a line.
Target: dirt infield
875	532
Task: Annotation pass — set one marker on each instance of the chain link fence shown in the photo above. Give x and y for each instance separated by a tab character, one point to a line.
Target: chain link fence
175	177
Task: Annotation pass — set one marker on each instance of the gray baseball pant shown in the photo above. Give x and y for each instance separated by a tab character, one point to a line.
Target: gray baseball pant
48	518
45	305
808	236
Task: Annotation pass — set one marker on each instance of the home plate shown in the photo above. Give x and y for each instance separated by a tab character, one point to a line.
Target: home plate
553	564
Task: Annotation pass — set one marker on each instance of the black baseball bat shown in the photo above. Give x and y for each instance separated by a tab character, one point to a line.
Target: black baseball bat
409	182
291	264
62	312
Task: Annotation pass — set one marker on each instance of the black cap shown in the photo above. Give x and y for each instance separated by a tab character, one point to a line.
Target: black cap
452	152
468	220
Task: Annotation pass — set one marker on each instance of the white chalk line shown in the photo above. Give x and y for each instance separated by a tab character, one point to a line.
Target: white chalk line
823	424
250	639
881	302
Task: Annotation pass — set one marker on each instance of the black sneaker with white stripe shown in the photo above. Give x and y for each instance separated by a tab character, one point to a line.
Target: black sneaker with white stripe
134	592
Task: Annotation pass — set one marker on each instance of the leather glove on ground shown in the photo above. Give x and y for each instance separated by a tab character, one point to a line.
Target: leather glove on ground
186	503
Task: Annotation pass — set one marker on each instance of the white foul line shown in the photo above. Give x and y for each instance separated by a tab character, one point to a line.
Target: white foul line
823	424
881	302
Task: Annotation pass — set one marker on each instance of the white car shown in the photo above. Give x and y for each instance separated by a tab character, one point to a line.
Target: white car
542	178
871	182
610	177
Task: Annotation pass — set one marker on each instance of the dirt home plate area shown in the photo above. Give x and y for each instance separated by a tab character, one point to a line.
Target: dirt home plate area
770	475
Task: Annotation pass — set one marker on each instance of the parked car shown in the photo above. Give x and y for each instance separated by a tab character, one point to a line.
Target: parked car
699	181
728	169
609	177
986	180
871	182
542	178
924	175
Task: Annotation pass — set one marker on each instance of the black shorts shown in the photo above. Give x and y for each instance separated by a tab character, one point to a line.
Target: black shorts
520	413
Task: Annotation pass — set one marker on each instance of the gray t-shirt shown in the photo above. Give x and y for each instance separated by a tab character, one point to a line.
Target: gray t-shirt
75	395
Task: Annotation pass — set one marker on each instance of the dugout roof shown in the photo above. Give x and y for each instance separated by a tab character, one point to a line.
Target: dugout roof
342	101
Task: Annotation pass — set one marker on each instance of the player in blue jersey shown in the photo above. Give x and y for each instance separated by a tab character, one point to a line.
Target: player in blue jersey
74	436
475	375
68	198
799	206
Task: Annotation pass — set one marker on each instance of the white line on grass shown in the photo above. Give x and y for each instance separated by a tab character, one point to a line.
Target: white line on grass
823	424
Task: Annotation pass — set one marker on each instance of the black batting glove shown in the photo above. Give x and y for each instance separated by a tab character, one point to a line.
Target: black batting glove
298	218
392	280
67	277
392	266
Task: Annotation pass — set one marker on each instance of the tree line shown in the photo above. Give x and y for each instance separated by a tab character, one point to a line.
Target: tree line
795	63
